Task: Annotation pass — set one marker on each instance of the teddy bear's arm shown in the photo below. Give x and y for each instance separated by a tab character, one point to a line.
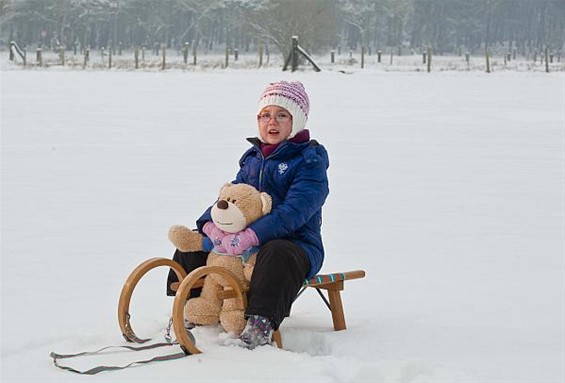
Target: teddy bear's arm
187	240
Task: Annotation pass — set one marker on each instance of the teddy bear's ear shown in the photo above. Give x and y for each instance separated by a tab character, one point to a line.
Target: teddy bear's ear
225	187
267	203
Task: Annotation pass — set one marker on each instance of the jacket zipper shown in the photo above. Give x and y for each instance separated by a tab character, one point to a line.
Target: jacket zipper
261	170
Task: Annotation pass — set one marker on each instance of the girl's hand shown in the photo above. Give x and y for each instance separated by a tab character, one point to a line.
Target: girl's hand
236	244
214	233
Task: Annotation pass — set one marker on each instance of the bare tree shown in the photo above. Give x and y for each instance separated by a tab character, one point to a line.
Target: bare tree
312	21
320	24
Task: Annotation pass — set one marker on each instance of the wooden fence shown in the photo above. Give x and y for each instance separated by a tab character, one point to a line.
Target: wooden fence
189	57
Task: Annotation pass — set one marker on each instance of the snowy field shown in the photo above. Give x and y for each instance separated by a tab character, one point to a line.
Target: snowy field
447	188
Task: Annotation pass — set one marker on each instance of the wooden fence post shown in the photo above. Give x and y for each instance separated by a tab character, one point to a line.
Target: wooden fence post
362	57
293	56
487	56
546	59
62	55
429	59
294	53
185	53
14	48
136	58
260	55
38	57
86	57
163	49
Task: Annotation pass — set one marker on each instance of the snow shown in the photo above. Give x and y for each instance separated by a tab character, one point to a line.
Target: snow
447	188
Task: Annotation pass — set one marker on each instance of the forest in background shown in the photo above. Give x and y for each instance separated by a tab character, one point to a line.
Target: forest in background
444	26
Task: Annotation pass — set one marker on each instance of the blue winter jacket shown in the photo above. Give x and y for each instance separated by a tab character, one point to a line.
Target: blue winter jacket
295	177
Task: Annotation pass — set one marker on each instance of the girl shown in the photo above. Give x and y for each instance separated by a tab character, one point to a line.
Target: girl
284	162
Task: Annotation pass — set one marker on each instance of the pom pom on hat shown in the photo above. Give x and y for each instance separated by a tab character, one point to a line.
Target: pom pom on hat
289	95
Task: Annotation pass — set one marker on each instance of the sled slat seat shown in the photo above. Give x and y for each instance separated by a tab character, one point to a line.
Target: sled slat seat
325	279
333	284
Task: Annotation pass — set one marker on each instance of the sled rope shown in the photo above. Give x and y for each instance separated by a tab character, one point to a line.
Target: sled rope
56	357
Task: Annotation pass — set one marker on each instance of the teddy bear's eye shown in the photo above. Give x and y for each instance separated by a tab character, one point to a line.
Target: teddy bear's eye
232	201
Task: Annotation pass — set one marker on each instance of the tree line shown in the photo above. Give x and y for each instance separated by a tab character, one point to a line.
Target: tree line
445	26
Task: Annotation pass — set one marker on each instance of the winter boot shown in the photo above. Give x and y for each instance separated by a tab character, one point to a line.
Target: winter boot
257	332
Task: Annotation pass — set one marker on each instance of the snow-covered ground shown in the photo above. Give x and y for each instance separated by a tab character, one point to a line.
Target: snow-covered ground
447	188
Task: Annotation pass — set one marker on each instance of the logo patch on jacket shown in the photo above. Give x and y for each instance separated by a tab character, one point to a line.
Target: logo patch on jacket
283	168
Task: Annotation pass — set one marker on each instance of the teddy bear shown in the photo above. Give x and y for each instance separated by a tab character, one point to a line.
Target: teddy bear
238	206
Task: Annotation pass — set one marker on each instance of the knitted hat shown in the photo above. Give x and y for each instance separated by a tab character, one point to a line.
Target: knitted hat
291	96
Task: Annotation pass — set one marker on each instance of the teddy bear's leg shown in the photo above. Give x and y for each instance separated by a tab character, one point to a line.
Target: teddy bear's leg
232	317
205	309
236	268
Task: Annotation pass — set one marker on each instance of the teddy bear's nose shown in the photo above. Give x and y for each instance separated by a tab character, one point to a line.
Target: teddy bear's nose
222	204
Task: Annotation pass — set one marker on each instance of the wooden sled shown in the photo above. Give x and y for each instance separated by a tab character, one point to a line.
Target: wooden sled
332	283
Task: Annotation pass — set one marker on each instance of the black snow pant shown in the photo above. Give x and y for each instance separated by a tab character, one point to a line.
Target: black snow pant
278	275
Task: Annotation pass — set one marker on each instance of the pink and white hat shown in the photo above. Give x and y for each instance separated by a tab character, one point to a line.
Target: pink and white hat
291	96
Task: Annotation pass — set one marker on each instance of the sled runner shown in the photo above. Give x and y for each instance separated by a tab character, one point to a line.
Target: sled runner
129	286
332	283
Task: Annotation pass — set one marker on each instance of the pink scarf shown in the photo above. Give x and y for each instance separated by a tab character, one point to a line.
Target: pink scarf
302	136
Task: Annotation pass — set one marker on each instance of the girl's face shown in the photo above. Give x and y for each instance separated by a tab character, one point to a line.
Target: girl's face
275	124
